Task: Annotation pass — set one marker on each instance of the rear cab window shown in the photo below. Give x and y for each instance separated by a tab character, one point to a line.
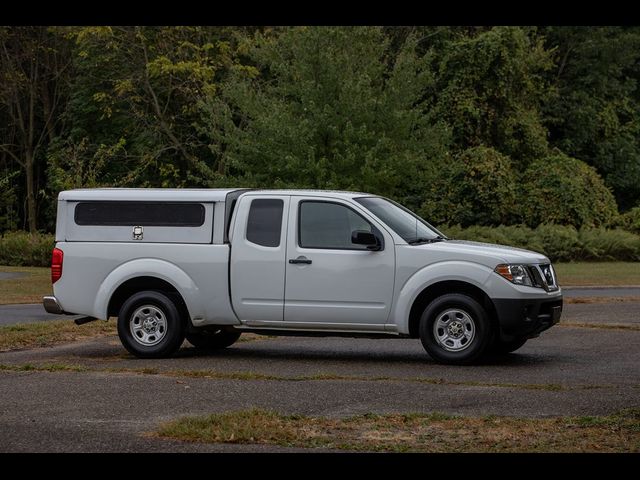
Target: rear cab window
264	223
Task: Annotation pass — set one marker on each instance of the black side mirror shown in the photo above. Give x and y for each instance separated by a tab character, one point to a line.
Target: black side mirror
362	237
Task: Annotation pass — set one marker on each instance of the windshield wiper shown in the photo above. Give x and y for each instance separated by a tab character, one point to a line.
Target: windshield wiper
421	240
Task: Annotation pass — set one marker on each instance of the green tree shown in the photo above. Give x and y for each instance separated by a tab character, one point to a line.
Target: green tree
489	88
34	71
456	122
564	190
596	114
135	96
8	215
478	187
328	107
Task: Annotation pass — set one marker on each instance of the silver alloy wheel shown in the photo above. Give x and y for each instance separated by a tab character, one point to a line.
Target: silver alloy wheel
454	330
148	325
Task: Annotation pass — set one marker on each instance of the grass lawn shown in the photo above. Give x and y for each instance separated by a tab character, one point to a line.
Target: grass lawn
598	273
43	334
415	432
26	289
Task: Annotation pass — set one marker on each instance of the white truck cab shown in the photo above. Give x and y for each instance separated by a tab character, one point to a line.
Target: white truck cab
209	264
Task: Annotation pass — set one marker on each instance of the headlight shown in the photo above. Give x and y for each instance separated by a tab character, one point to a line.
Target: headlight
518	274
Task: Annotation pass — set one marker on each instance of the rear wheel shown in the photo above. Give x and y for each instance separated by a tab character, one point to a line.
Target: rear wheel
213	339
149	325
455	329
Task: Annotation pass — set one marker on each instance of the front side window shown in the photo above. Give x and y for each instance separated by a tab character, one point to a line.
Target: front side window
401	220
329	225
265	222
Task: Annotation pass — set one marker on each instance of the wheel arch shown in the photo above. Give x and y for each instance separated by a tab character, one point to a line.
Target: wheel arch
427	283
139	284
147	274
435	290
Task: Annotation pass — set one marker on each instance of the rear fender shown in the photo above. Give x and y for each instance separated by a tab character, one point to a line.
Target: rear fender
149	267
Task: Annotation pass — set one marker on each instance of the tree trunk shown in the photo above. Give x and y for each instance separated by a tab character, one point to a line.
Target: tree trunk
31	197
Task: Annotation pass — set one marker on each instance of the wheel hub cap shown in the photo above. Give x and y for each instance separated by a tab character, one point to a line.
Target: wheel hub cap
454	330
148	325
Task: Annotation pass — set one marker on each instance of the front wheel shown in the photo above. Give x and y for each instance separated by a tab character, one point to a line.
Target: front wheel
149	325
455	329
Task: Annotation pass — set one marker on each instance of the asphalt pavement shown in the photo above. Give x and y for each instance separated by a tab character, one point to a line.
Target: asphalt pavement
11	275
606	291
568	370
27	313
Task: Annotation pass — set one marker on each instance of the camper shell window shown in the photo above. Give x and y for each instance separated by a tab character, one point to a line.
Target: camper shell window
148	214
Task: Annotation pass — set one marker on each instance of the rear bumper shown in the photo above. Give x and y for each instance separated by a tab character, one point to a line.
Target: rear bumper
527	317
51	305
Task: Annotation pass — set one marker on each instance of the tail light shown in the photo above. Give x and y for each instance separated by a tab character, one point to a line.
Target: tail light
56	264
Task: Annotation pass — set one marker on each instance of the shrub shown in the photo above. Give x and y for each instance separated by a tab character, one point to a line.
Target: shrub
26	250
559	242
477	187
563	190
603	244
630	220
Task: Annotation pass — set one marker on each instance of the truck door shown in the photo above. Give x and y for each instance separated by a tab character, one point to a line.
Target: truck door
258	248
329	279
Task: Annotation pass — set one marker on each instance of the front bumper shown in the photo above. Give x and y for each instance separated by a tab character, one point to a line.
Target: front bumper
527	317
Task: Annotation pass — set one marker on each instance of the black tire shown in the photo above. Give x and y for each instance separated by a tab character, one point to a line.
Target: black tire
462	312
213	339
149	306
500	347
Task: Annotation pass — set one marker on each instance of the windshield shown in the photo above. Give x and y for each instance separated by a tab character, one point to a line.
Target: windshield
401	220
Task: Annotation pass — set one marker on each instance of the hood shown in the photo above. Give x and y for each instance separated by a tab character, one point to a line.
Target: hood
490	252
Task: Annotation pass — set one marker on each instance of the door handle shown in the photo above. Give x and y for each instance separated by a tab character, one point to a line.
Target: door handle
299	260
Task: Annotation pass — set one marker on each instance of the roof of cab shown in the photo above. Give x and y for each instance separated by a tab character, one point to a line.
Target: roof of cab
187	194
311	193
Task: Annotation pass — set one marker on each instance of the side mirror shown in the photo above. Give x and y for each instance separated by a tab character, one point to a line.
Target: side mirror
362	237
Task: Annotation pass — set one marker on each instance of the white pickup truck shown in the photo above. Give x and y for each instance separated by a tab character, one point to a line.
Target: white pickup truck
209	264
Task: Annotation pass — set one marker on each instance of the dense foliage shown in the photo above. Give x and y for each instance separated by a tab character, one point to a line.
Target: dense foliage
561	189
477	187
467	125
558	242
22	249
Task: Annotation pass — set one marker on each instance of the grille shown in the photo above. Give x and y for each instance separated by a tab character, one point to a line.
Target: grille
546	276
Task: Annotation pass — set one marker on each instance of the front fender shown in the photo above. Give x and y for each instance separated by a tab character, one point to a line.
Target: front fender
473	273
149	267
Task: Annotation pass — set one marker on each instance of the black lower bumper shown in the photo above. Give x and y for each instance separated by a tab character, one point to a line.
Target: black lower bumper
525	317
